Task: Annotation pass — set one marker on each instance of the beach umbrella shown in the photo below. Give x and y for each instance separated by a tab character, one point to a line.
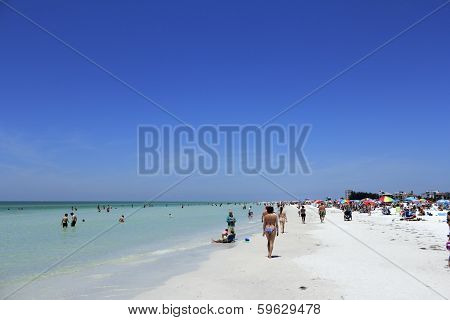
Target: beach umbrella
386	199
443	201
368	202
343	201
411	199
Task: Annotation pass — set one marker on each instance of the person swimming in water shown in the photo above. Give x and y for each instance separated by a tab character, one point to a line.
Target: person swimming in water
65	220
270	229
122	219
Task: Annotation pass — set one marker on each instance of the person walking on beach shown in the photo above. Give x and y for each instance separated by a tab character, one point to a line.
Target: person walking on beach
231	221
322	212
448	248
282	218
270	229
65	220
303	214
74	220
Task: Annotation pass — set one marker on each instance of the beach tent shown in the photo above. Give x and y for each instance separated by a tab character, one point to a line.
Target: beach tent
386	199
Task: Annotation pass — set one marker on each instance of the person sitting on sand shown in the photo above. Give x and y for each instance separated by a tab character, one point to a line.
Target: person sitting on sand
225	234
408	215
282	218
65	220
270	229
386	211
228	239
122	219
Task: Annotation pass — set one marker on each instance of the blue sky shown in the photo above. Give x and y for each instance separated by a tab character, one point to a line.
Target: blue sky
68	130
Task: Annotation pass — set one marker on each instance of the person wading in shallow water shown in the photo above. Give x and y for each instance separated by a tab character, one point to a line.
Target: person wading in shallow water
65	220
231	221
270	229
74	220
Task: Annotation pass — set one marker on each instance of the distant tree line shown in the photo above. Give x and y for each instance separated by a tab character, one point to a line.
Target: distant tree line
357	195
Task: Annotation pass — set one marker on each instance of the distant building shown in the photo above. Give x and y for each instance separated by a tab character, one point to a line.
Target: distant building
348	193
401	195
436	195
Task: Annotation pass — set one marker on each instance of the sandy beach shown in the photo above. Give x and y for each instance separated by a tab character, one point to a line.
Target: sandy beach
371	257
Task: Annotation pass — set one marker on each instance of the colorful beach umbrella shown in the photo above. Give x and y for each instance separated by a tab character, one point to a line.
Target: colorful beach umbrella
386	199
343	201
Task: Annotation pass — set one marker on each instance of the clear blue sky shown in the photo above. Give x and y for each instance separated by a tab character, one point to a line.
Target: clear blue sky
68	130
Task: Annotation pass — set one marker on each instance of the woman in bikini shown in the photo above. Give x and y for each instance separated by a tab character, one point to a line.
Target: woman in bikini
283	218
270	229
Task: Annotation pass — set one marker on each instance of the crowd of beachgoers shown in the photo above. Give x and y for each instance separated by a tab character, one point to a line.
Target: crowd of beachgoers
274	218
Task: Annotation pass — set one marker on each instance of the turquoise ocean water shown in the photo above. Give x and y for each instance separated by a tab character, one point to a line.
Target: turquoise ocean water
122	261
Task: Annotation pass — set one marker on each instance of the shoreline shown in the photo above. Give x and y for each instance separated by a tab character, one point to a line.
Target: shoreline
376	257
240	270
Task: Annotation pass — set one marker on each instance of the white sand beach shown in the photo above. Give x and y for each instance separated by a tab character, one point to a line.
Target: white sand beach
371	257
